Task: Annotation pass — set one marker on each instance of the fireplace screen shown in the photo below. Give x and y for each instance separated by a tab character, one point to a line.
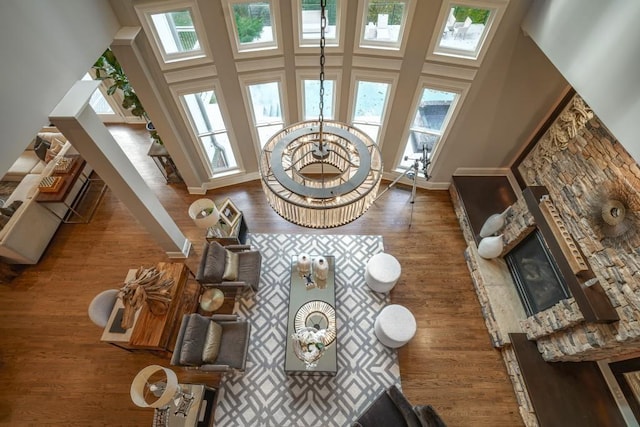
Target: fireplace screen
540	284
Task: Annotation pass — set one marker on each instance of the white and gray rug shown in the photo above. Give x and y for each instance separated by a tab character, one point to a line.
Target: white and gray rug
265	396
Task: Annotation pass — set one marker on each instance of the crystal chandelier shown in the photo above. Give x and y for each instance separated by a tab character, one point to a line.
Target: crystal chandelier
318	173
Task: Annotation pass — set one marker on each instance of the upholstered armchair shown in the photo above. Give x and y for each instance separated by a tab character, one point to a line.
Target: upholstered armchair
391	408
218	343
229	268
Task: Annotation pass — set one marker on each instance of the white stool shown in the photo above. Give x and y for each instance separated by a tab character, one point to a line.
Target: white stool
395	326
382	272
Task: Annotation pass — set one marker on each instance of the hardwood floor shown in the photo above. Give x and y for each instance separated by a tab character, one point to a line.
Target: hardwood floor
55	371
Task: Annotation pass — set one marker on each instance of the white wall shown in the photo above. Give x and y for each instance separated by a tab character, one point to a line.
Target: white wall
46	46
595	44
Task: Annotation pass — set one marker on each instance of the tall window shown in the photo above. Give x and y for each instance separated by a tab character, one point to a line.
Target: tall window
208	124
309	18
311	99
370	105
383	23
266	108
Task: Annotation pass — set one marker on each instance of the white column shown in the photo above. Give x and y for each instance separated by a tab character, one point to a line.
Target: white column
83	128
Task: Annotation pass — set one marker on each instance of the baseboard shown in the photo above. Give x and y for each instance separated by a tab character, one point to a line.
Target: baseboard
224	181
186	248
420	182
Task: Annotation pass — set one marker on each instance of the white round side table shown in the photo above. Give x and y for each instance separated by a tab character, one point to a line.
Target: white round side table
395	326
382	272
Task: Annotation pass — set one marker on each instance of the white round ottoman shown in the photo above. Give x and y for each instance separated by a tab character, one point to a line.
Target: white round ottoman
395	326
382	272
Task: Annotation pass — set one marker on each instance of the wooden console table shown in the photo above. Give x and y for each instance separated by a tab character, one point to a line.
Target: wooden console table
150	331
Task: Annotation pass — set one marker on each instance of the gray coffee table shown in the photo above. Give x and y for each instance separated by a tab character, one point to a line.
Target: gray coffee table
312	307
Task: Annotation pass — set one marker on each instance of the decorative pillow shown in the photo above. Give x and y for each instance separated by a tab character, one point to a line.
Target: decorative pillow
11	209
214	263
193	340
4	220
54	150
40	148
230	266
212	343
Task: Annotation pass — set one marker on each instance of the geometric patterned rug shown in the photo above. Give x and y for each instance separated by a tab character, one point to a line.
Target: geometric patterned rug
265	395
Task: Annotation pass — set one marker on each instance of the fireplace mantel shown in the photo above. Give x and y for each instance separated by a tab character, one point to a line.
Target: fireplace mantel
592	300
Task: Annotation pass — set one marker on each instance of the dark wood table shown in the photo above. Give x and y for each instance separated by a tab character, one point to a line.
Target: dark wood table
152	331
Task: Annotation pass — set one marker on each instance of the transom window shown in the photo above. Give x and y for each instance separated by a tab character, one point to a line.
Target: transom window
370	105
175	31
266	109
309	19
464	28
253	24
208	124
383	23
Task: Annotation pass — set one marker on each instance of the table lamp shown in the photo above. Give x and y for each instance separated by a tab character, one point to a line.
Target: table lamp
162	389
204	213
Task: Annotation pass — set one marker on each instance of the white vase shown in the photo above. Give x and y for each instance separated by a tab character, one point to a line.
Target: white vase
304	264
494	223
320	268
490	247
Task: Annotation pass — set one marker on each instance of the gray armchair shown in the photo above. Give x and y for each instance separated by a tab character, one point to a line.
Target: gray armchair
218	343
391	408
229	268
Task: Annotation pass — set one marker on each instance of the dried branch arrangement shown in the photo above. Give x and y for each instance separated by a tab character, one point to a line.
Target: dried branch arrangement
148	287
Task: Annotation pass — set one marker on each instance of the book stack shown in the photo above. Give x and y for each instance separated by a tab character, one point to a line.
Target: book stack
50	184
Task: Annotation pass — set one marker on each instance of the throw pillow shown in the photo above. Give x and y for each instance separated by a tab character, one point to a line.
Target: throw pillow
54	150
193	340
4	220
212	343
11	209
428	416
230	266
40	148
214	263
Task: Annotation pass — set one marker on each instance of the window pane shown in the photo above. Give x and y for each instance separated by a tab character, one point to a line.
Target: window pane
371	130
176	31
97	100
433	109
312	99
209	126
384	20
413	149
265	100
464	28
371	98
310	19
266	132
253	22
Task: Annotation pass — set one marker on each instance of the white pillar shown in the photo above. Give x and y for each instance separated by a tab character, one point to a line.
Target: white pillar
83	128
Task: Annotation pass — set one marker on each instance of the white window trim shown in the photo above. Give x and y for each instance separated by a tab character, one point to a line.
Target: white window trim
310	75
389	48
187	88
203	56
307	45
462	88
373	76
255	49
266	77
463	57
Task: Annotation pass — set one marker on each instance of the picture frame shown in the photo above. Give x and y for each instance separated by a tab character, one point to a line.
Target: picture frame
229	213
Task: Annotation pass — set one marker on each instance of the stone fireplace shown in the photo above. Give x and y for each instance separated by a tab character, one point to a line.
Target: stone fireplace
595	316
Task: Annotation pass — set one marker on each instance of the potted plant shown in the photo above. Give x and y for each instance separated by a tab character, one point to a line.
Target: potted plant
108	68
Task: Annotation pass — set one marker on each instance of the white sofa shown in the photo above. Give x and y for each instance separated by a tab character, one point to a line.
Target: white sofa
28	232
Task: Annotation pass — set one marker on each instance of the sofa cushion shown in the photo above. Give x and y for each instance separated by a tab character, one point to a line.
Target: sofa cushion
194	339
230	266
26	189
214	263
212	343
24	164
